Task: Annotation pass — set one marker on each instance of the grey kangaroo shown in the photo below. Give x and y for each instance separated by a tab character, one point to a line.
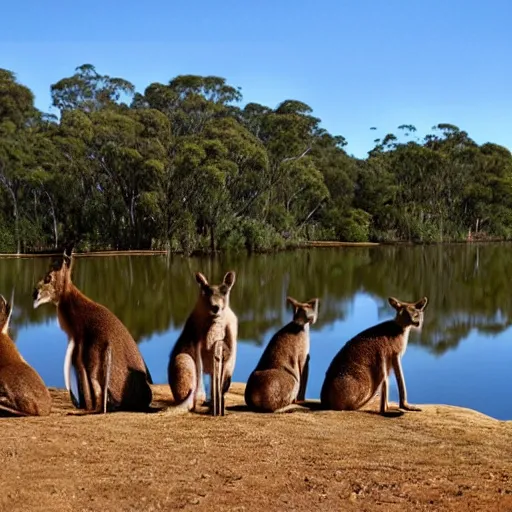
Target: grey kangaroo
111	371
22	391
365	362
208	345
280	378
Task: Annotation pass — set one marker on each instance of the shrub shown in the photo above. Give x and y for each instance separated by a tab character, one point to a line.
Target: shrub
260	236
7	241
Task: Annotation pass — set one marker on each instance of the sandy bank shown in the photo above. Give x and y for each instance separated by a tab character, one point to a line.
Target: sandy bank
86	254
443	458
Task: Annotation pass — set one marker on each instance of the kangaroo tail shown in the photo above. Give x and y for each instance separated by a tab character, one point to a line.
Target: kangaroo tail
291	408
67	373
9	411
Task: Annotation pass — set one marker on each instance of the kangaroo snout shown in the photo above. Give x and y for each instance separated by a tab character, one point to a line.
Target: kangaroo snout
37	298
215	309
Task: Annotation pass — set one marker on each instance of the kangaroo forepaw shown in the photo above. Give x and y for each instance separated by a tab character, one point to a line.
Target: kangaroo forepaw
408	407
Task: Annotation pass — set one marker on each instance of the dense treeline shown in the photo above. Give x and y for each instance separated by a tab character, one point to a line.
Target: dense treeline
184	167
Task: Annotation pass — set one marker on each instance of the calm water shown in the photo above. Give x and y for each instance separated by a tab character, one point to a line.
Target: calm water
463	355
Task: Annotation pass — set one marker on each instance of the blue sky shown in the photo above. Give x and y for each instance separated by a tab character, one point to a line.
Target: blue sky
357	63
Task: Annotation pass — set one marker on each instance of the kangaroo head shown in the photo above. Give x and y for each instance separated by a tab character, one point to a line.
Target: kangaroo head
215	298
304	312
54	283
409	313
5	314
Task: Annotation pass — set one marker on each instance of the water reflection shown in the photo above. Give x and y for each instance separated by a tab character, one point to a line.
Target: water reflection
467	288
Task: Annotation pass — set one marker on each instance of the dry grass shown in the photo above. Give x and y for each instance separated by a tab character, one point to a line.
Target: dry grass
443	458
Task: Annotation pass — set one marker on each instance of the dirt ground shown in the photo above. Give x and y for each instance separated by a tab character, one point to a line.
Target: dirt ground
443	458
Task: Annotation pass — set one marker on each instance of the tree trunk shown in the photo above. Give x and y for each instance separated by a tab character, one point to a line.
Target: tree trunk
54	218
212	239
55	232
13	194
16	221
17	228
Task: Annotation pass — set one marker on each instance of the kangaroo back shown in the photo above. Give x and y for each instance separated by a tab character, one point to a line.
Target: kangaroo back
280	377
364	363
22	391
96	334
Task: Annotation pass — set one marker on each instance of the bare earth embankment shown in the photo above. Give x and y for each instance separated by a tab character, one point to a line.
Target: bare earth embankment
443	458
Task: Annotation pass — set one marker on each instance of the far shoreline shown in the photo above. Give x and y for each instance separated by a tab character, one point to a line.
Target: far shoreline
317	244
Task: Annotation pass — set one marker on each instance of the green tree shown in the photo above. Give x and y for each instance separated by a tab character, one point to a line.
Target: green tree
184	166
89	91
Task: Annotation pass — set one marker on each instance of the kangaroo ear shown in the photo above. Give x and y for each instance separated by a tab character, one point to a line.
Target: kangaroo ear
294	303
58	263
229	279
66	260
11	302
396	304
67	253
8	311
313	302
314	305
421	304
68	250
201	279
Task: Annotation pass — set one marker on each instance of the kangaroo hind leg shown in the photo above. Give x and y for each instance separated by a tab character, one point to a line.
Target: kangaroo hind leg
183	381
101	369
303	381
217	384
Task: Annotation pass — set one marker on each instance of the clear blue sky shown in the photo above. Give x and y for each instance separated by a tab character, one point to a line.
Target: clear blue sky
358	63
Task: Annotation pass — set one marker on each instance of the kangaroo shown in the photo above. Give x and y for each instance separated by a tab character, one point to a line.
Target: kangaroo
366	361
111	371
280	378
22	391
207	344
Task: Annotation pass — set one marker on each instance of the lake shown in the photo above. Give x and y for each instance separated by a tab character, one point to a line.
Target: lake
462	356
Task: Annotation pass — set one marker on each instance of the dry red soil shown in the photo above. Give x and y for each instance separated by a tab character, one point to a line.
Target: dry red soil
443	458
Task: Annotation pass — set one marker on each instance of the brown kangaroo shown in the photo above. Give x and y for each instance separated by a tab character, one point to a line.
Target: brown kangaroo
22	391
110	369
207	344
280	378
366	361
